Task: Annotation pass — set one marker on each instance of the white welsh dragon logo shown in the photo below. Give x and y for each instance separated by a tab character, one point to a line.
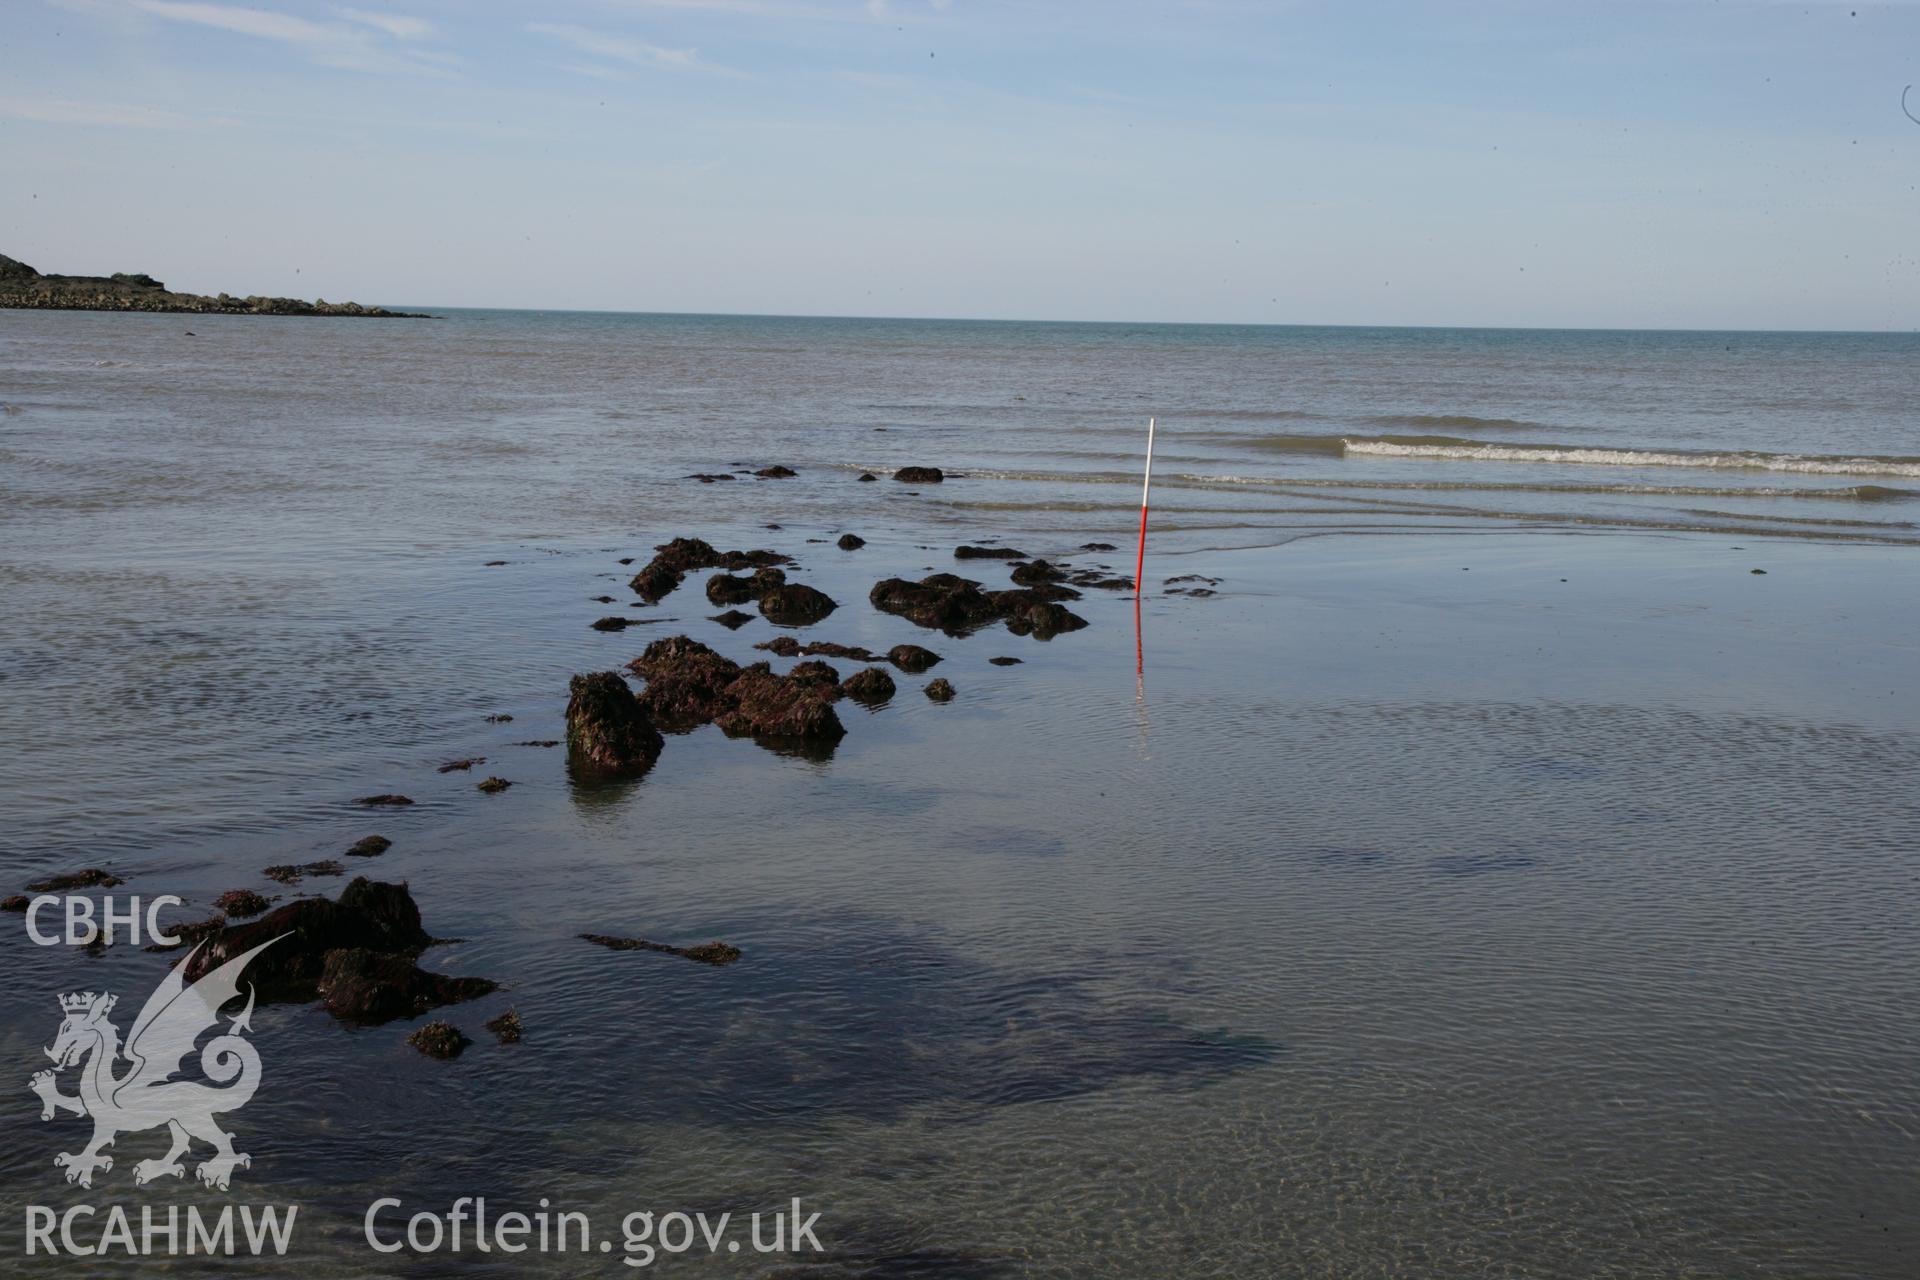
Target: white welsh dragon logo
146	1096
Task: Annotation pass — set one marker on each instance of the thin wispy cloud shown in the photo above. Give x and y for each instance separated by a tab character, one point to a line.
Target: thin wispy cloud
108	114
365	41
637	53
396	25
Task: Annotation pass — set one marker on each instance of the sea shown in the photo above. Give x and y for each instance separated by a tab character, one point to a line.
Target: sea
1488	845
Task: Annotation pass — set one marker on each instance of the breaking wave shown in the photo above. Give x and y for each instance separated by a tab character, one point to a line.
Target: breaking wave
1484	451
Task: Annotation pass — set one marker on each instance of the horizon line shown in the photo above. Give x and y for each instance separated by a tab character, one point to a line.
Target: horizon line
1189	324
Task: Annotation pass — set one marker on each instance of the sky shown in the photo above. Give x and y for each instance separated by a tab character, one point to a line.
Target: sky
1667	164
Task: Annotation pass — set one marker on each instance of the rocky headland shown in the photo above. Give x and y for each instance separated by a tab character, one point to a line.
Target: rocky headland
22	286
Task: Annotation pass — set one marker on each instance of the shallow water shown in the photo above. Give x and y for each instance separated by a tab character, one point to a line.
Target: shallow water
1493	878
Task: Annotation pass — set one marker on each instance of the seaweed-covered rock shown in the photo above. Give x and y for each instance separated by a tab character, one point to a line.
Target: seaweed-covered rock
392	800
727	588
940	690
612	622
686	682
15	902
911	658
732	619
655	581
851	542
507	1027
796	605
675	559
358	985
940	602
1031	612
920	475
461	765
369	914
241	902
714	953
608	729
1038	571
494	786
767	579
776	472
785	646
987	553
369	847
776	709
819	674
440	1040
869	686
1004	662
689	684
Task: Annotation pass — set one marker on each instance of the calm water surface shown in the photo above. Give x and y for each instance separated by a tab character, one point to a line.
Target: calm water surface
1495	877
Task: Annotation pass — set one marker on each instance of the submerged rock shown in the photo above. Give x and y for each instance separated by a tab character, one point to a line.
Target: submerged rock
920	475
714	953
15	902
392	800
851	542
796	605
609	732
1098	546
732	619
371	987
940	690
612	622
776	472
911	658
788	647
494	786
91	878
461	766
507	1028
868	686
369	847
866	476
1004	662
708	477
987	553
295	872
440	1040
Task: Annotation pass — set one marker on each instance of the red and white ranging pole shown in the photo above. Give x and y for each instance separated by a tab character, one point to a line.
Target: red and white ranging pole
1146	484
